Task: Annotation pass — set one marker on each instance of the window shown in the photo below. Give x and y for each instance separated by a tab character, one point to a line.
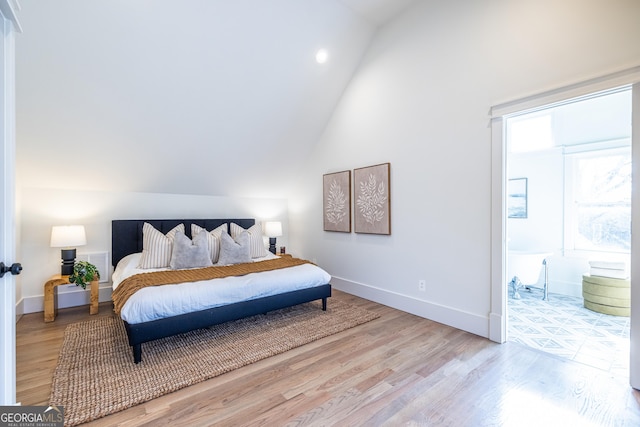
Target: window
600	215
530	133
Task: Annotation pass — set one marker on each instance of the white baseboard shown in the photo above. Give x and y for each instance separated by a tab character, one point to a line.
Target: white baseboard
473	323
496	332
67	299
19	309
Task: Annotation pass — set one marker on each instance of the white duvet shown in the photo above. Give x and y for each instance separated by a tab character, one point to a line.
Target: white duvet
157	302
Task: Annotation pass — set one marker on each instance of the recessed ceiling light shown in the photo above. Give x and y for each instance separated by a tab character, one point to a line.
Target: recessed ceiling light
321	56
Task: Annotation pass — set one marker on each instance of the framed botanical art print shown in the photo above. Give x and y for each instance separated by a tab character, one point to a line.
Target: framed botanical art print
372	208
336	196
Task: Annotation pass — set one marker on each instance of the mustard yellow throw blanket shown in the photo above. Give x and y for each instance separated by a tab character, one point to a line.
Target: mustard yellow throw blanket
156	278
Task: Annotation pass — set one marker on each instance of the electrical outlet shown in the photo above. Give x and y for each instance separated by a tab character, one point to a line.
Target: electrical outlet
422	285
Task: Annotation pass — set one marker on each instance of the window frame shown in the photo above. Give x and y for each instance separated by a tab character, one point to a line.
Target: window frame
572	154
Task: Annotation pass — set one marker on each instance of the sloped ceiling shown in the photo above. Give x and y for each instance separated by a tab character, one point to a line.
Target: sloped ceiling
378	12
189	97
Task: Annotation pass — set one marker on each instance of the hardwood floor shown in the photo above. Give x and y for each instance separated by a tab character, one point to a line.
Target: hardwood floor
397	370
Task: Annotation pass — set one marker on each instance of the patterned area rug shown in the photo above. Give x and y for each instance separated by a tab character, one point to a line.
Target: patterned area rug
96	376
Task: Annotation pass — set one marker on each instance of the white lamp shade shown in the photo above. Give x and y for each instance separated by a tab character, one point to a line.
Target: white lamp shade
273	228
67	236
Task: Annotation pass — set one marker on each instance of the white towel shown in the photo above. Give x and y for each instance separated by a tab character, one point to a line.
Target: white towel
609	272
611	265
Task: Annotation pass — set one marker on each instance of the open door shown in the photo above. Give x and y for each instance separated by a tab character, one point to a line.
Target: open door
9	25
634	366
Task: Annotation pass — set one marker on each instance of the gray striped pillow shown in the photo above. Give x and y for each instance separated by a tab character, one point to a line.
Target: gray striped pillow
213	237
156	247
255	238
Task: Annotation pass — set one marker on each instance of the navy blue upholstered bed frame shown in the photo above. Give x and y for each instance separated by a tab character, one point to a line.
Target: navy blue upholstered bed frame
126	238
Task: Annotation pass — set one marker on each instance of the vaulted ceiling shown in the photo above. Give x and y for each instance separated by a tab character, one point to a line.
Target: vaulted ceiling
189	97
378	12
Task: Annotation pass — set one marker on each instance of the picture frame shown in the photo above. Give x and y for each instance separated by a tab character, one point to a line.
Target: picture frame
336	206
372	199
517	198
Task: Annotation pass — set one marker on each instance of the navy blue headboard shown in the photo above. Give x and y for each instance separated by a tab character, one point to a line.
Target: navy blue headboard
126	234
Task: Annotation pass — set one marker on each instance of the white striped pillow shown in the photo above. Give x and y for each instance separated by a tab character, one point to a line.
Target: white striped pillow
156	247
213	237
255	238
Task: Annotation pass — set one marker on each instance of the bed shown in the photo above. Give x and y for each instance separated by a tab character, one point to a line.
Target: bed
156	312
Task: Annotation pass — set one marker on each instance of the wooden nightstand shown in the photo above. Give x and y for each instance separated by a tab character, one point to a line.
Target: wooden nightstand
51	297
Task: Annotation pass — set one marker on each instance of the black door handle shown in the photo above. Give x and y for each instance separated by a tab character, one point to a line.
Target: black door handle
15	268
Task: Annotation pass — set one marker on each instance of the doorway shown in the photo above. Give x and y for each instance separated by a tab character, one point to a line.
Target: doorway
569	206
498	303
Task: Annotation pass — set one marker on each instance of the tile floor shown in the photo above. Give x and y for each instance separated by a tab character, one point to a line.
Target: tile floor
562	326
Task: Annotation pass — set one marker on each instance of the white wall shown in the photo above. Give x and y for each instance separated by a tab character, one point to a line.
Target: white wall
542	230
420	100
43	208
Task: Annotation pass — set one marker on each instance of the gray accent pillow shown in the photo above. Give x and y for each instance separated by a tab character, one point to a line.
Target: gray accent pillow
190	254
234	251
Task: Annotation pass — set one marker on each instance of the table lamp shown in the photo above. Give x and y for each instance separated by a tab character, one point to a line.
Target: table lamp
67	237
272	229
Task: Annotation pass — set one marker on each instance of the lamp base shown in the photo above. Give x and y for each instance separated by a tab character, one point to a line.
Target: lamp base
68	260
272	245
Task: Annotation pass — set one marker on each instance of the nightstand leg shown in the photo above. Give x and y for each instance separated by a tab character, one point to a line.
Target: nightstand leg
50	306
94	297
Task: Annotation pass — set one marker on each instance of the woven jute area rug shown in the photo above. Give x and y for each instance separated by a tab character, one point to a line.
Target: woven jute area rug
96	376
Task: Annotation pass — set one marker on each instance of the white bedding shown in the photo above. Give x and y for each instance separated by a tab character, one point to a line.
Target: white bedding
156	302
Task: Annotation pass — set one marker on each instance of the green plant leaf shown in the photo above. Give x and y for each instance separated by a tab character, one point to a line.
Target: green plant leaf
83	273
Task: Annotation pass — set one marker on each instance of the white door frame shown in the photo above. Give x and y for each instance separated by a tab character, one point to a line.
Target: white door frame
9	25
498	314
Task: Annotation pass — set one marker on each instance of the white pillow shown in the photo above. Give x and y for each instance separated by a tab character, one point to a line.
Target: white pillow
189	253
234	251
213	237
255	238
156	247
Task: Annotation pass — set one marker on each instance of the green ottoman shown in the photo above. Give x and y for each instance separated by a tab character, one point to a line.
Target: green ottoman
607	295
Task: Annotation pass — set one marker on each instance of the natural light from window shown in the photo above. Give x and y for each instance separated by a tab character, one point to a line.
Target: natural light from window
602	201
530	134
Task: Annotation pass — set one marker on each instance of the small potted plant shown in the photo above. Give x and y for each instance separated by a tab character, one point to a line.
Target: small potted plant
83	273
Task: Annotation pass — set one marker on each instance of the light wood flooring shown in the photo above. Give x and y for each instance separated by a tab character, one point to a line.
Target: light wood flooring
397	370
